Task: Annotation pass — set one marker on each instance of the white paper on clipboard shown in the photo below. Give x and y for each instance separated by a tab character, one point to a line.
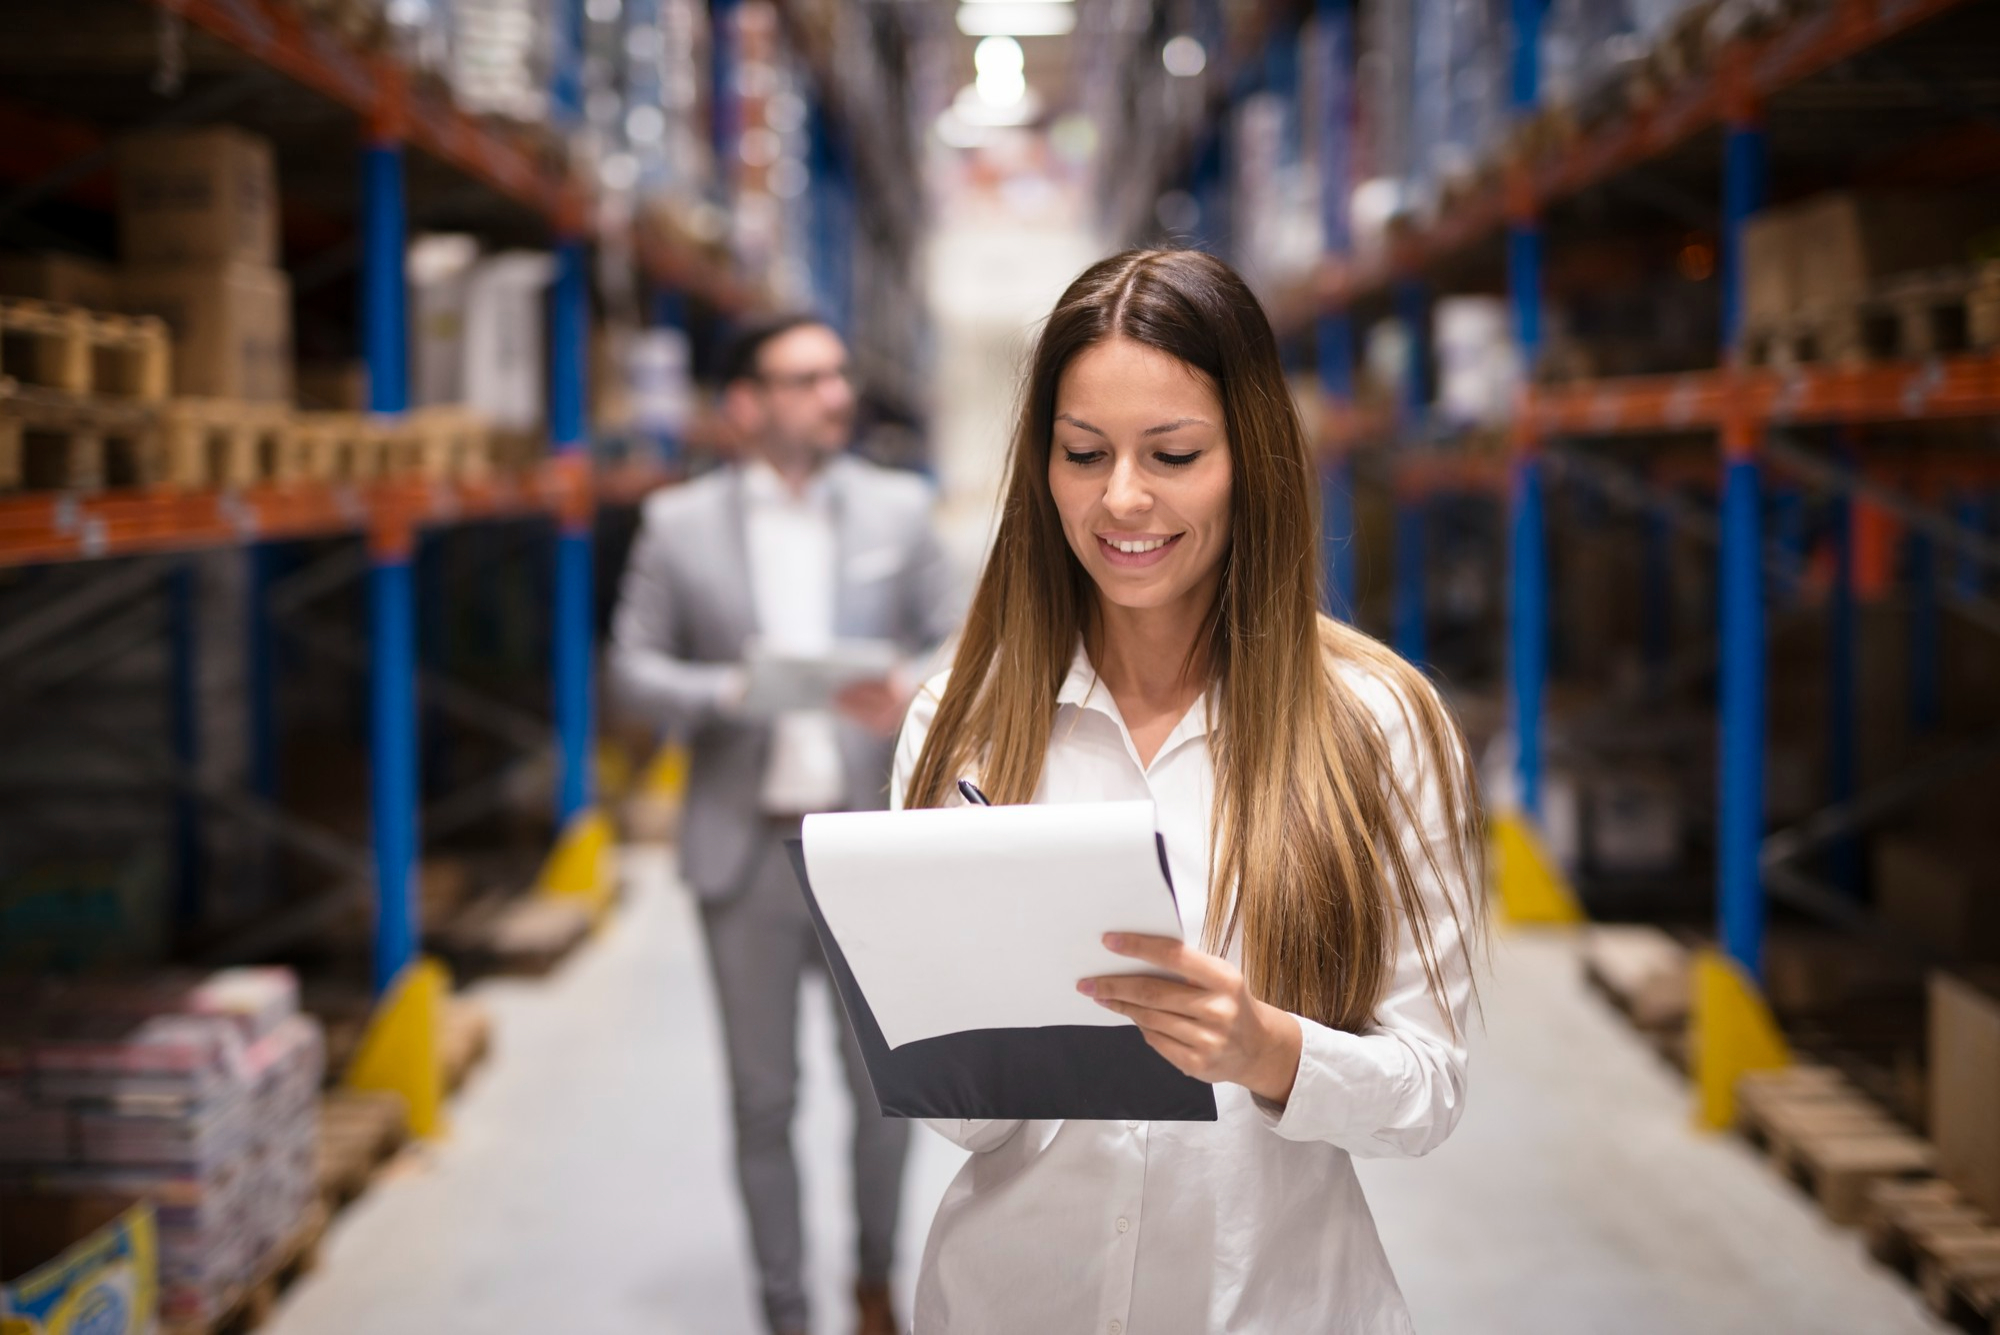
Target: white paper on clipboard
962	918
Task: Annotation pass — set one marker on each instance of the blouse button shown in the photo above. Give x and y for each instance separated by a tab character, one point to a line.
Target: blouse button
1118	1328
1124	1224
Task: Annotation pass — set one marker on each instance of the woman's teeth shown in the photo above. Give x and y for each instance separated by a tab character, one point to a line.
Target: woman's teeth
1133	548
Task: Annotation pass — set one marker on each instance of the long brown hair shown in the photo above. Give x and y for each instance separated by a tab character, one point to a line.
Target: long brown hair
1306	863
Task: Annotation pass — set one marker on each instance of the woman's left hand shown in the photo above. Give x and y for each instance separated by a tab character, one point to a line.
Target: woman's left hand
1204	1020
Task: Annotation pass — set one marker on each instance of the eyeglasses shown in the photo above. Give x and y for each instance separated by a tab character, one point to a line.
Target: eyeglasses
801	382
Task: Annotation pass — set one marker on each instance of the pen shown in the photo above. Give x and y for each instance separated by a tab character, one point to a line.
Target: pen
970	792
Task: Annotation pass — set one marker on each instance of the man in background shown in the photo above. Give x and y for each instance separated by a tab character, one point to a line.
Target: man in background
797	545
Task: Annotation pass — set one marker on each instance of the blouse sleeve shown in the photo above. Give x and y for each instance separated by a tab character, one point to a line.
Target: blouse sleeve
1397	1088
976	1134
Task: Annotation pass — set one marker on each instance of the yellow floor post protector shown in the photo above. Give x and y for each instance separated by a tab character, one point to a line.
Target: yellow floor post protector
400	1050
1731	1034
1532	887
580	867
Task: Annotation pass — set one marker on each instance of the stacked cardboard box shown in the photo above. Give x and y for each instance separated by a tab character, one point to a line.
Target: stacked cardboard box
1965	1082
201	1099
198	221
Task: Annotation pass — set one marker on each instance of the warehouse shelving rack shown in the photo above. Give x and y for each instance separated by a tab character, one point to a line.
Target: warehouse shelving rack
1745	410
471	169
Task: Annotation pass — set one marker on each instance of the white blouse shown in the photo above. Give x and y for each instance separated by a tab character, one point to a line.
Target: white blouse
1254	1222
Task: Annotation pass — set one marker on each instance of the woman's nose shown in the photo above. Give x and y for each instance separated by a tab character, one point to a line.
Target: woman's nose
1126	492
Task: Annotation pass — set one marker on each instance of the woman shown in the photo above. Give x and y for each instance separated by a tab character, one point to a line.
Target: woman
1147	627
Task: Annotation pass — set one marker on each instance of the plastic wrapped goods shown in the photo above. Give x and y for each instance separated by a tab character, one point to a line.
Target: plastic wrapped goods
201	1098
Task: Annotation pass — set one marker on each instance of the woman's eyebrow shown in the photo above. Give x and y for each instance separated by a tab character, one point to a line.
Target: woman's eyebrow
1081	425
1165	428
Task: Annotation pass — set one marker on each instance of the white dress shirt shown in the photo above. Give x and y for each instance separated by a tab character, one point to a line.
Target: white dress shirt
1254	1222
793	565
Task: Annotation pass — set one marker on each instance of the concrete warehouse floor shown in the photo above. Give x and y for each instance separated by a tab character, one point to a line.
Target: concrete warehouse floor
586	1183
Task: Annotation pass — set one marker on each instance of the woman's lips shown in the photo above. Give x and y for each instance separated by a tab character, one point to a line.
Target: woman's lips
1136	560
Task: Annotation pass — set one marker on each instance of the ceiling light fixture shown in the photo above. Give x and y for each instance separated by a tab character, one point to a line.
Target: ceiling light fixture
1016	18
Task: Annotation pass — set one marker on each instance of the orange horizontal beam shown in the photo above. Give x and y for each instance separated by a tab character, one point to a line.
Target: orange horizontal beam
49	527
1874	392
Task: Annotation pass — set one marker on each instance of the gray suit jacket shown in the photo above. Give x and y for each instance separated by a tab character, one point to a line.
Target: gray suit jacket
685	610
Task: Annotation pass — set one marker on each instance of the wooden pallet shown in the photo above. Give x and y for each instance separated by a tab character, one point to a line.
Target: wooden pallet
51	441
1642	971
250	1305
75	351
442	443
337	447
465	1038
1948	1247
222	443
1924	315
1820	1132
519	935
359	1132
1813	338
1911	317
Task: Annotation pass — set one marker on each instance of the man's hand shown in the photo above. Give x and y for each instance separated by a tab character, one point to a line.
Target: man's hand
1204	1020
878	706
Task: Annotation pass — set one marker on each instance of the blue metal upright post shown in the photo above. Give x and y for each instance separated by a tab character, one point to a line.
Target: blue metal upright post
1740	887
184	725
1528	601
392	642
572	616
393	753
1740	790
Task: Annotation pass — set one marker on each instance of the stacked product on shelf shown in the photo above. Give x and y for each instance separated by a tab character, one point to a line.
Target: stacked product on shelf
497	58
198	228
200	1099
1850	276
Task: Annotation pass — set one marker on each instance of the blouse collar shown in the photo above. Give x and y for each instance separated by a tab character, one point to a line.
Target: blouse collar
1084	689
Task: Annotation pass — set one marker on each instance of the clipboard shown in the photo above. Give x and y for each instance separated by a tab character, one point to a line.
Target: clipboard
1054	1072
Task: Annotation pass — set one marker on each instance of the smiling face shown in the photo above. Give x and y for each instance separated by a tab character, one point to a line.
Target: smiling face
1139	469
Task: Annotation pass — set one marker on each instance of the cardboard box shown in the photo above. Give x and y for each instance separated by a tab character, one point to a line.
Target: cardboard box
231	325
1846	243
70	1264
69	279
1829	251
1965	1082
1770	271
197	196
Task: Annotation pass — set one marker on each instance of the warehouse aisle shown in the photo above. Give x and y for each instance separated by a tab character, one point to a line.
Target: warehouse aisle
586	1186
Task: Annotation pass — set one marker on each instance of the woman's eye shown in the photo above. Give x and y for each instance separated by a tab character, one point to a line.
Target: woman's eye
1178	460
1083	456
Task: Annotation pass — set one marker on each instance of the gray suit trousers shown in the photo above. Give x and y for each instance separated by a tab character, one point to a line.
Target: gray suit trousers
760	945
